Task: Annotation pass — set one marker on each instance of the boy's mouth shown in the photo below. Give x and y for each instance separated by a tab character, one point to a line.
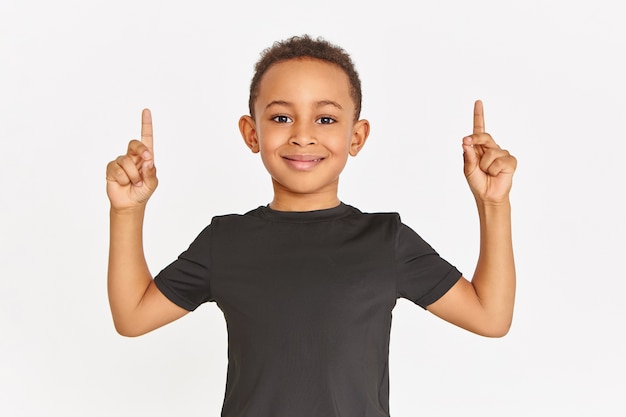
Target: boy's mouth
303	162
303	158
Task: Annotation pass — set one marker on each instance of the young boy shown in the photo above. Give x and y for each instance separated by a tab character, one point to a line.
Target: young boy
307	283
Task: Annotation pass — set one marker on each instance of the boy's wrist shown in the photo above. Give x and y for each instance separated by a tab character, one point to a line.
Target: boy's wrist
490	208
485	204
128	211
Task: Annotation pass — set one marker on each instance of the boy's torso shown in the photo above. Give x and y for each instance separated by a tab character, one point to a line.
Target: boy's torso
307	299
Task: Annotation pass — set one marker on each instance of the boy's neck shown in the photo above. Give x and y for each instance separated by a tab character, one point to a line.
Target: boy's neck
304	202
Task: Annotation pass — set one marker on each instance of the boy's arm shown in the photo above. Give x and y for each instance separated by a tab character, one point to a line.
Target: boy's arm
137	305
485	305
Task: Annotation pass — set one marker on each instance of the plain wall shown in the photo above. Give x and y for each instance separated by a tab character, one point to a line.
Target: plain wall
74	76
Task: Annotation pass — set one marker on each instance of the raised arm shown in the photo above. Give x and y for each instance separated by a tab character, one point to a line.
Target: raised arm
485	305
137	305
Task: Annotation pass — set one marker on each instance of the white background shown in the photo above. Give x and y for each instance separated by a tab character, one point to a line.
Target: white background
74	76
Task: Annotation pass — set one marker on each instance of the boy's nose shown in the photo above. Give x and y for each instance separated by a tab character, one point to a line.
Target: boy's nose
302	137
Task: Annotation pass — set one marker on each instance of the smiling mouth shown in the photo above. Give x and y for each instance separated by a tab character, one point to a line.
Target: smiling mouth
303	158
303	162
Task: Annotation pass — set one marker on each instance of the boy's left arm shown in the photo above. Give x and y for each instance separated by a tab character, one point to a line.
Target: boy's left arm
485	305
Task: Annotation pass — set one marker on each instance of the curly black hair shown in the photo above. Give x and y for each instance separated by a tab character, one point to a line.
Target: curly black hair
306	47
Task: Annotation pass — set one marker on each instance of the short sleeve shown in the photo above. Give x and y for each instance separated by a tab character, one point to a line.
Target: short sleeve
186	281
423	276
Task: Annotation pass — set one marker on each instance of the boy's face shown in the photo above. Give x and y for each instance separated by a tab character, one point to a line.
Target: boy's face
304	127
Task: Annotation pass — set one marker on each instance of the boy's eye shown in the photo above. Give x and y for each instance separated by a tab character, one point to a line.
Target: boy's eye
281	119
325	120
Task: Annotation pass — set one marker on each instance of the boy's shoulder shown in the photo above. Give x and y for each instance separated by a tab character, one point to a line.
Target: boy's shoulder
341	212
259	229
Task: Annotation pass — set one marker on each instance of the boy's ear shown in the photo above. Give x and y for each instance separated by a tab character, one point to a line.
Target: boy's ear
360	132
247	127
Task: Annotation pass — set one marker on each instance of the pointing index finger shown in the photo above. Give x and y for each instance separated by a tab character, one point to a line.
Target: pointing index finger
479	117
146	129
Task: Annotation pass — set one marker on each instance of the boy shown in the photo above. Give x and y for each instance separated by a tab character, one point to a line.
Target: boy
307	284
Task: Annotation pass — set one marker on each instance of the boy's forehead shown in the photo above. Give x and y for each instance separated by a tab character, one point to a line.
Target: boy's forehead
305	75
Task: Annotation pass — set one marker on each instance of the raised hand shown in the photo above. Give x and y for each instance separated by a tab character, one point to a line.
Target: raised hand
131	178
488	168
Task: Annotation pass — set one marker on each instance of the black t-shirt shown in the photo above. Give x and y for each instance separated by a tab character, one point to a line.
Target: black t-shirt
308	298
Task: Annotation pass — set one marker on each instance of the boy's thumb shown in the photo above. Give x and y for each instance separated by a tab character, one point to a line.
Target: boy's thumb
148	171
470	159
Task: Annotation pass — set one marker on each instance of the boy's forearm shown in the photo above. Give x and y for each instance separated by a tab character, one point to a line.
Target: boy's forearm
128	274
494	278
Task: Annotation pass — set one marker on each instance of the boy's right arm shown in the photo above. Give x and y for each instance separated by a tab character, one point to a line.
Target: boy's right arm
137	305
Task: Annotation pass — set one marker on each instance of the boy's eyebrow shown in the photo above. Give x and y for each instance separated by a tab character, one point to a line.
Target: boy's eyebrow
278	103
329	102
320	103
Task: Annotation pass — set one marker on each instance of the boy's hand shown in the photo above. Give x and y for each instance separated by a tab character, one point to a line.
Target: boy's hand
131	178
488	168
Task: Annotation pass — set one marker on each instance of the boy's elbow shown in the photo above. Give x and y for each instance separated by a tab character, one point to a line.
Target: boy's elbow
495	329
126	329
126	332
495	334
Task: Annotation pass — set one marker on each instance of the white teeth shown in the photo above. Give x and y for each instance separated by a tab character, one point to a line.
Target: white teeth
308	160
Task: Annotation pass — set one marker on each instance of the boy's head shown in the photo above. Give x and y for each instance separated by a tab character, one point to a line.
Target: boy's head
306	47
305	100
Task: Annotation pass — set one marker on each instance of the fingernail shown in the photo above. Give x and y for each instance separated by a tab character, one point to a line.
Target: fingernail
139	184
146	155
